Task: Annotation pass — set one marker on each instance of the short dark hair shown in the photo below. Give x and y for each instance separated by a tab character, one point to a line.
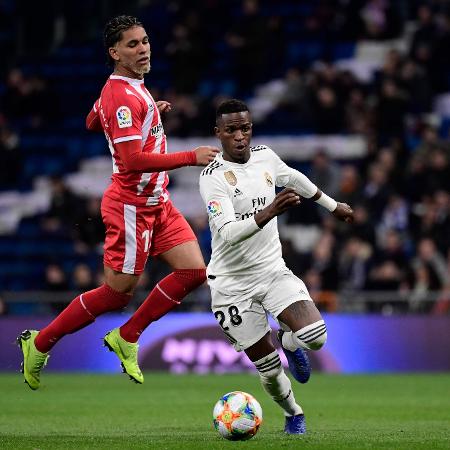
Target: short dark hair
231	106
113	32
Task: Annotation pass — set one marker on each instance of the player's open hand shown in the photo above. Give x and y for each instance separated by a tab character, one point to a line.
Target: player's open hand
284	200
163	106
344	212
205	154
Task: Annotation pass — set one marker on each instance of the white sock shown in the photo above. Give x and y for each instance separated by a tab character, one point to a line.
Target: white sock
311	337
277	384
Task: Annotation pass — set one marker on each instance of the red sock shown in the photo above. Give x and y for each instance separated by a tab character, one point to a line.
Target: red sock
79	313
167	294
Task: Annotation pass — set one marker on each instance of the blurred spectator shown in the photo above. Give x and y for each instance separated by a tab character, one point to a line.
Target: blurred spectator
350	185
327	111
357	113
376	190
362	227
429	257
64	207
325	173
353	264
391	110
380	19
82	278
56	282
426	31
55	278
29	99
325	300
11	158
324	263
438	172
391	248
395	215
89	229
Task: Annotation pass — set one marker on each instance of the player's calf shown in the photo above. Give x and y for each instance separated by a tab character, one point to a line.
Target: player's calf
277	384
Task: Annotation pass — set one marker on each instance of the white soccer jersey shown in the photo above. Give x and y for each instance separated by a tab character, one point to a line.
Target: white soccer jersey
235	192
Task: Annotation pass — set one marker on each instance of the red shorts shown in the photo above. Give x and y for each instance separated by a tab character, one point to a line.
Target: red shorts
135	232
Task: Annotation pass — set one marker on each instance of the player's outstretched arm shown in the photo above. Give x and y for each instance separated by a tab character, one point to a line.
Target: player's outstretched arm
284	200
135	160
205	154
341	211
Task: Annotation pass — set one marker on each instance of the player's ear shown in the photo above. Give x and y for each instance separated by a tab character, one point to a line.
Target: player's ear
216	131
113	53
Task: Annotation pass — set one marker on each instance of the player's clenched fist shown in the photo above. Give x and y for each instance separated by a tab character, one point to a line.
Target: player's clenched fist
343	212
284	200
205	154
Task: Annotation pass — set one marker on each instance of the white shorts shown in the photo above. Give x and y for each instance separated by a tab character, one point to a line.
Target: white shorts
243	316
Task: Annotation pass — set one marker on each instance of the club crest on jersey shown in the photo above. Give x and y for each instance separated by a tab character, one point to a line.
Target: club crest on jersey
231	178
268	178
123	115
214	208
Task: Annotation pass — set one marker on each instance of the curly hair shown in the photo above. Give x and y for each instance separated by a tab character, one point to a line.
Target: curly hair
113	32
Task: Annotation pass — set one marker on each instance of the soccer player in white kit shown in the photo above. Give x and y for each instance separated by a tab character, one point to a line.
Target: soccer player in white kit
247	275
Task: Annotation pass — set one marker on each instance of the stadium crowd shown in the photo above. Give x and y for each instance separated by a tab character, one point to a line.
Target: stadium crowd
207	51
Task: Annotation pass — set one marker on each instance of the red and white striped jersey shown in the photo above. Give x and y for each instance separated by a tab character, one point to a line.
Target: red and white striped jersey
128	112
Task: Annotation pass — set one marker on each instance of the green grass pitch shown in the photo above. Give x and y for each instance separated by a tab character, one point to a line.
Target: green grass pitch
80	411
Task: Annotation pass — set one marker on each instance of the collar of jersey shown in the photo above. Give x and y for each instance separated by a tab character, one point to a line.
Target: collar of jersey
234	164
129	80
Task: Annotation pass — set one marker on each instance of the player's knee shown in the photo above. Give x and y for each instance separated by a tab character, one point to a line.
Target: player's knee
313	336
269	367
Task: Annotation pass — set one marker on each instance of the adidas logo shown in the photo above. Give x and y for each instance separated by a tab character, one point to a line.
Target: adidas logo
237	192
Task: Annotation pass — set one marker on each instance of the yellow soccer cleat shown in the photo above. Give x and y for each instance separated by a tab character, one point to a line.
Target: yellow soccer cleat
127	352
33	360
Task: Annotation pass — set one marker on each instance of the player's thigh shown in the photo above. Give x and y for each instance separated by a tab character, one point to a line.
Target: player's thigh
288	300
299	314
175	242
128	238
184	256
243	320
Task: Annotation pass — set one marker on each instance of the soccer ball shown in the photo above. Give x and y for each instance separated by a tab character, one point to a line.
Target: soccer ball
237	416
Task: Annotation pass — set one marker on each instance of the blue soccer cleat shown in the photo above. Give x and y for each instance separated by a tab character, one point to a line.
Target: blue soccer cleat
295	424
298	361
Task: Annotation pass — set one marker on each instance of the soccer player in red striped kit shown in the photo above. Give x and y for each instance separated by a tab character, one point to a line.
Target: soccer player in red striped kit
139	217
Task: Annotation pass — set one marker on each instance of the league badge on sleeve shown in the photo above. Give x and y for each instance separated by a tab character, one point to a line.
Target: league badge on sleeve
123	115
214	208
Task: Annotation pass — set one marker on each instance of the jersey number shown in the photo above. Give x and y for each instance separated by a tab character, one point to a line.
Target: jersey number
146	236
235	318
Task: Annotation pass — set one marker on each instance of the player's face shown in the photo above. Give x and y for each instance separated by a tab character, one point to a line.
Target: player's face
235	133
132	53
